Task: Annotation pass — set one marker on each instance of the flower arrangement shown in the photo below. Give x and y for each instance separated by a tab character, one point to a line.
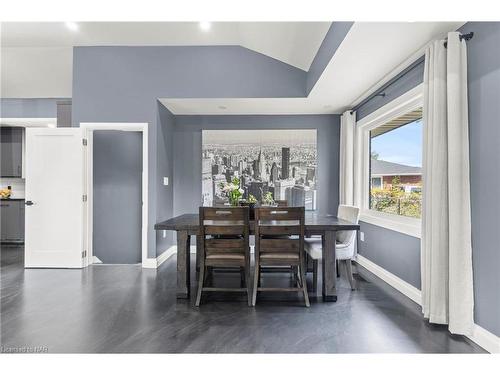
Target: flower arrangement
268	199
233	191
251	199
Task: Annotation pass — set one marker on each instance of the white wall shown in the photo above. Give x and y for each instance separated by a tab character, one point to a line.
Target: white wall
50	77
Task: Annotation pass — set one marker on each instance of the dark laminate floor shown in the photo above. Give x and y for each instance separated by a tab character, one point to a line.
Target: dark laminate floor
127	309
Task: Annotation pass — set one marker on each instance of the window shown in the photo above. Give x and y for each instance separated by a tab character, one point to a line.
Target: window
376	182
396	166
388	164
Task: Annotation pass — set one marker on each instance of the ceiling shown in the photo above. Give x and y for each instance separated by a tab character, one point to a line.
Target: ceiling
294	43
37	57
369	52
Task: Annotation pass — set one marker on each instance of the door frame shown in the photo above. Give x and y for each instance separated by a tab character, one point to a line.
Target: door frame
88	131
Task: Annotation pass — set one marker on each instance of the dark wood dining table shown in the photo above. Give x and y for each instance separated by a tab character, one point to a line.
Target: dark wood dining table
327	226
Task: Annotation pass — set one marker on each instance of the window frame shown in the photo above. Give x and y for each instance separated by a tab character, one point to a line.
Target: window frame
409	101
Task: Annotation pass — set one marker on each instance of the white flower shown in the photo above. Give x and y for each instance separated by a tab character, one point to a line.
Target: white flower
241	191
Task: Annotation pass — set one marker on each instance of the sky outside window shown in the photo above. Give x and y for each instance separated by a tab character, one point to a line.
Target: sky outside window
402	145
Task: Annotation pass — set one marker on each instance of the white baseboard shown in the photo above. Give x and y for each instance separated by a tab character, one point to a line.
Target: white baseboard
485	339
158	261
165	255
402	286
482	337
149	263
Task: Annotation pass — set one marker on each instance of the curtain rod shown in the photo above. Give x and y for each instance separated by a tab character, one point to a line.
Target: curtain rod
380	91
465	37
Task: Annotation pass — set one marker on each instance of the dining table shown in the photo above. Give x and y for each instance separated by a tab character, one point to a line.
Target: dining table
316	224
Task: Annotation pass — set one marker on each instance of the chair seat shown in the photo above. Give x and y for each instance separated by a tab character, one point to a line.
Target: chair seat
227	256
279	256
314	247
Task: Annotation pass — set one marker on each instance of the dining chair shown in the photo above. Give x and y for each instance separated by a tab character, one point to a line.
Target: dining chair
345	244
224	235
284	251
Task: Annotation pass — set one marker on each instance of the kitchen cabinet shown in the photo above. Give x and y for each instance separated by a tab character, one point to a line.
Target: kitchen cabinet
11	151
12	218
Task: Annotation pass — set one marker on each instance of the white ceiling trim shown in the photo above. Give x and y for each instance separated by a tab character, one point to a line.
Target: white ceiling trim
245	106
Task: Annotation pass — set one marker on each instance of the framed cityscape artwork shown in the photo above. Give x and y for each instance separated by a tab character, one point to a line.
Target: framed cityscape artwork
283	162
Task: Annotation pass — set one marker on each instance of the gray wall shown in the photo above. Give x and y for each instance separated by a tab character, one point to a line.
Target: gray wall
396	252
187	151
165	168
484	122
382	245
117	197
19	108
333	38
122	84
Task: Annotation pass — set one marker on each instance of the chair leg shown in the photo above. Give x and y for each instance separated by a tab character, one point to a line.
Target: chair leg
248	283
298	279
201	279
308	263
242	276
337	267
295	271
315	275
256	282
348	267
302	276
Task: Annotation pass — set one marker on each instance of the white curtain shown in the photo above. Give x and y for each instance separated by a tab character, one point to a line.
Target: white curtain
446	251
346	175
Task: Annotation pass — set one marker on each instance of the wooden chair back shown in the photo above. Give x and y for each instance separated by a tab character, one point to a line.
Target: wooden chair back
224	230
286	222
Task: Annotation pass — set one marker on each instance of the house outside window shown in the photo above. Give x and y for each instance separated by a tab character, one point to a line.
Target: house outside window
396	188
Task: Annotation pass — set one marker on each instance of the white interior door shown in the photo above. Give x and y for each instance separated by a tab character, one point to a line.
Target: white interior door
55	187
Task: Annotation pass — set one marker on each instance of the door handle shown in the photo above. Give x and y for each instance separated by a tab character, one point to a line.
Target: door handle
28	203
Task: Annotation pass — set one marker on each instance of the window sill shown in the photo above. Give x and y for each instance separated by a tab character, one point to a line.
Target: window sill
406	225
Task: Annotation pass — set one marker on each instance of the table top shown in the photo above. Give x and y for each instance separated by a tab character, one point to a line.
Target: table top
314	222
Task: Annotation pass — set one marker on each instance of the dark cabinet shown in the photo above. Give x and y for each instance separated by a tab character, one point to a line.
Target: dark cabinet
11	151
12	216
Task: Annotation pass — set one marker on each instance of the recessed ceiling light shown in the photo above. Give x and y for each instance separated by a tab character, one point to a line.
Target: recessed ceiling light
222	107
73	26
205	26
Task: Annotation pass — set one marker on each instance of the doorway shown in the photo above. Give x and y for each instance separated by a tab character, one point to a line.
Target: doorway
116	179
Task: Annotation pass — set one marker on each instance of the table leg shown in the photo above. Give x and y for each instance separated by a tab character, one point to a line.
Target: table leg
183	264
329	267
